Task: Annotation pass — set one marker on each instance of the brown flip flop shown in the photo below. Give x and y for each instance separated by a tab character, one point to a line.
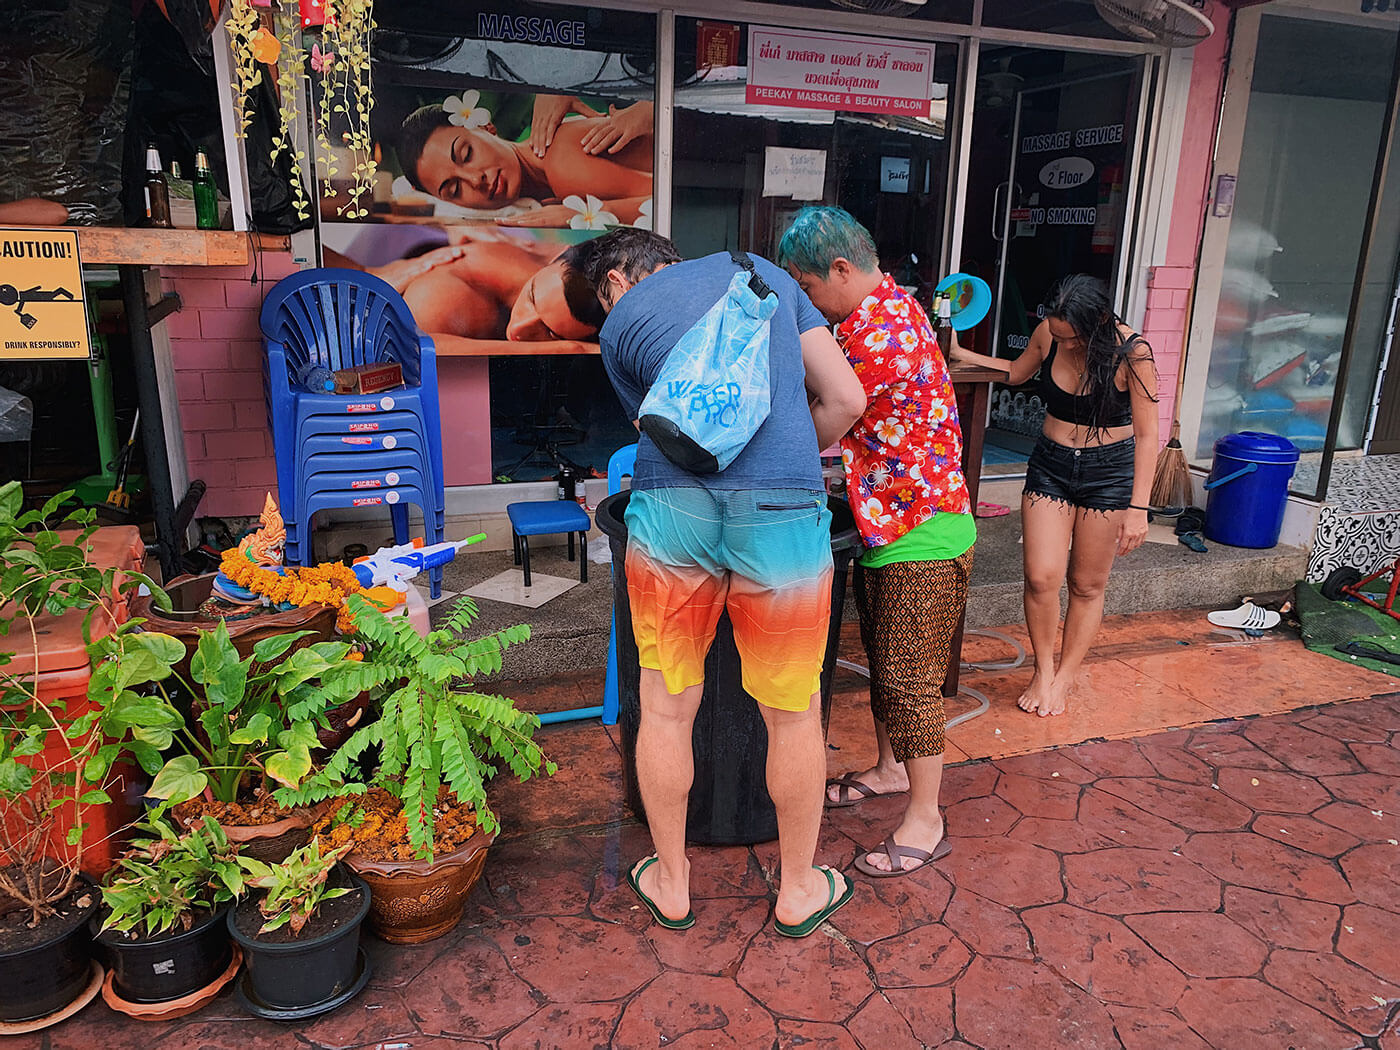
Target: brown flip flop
897	855
850	788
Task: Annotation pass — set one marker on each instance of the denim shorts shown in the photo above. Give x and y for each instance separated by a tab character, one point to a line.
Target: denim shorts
1096	478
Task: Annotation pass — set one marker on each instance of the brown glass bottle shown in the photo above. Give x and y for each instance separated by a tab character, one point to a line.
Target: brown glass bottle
944	329
156	192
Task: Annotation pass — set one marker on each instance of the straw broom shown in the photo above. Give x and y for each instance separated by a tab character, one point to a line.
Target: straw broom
1171	481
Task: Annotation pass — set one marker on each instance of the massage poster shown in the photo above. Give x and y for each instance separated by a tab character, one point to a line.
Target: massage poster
504	138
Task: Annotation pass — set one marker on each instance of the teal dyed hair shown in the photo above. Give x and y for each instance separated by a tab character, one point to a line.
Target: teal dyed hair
822	234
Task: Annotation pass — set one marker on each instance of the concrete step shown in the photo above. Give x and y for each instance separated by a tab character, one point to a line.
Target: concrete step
571	631
1155	576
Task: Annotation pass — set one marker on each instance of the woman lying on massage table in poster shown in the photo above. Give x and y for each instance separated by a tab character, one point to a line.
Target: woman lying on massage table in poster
607	157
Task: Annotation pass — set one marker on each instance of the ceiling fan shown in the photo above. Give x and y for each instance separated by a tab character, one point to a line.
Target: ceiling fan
1167	23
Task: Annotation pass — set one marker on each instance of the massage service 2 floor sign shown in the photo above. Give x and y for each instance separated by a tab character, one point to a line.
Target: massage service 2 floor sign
42	313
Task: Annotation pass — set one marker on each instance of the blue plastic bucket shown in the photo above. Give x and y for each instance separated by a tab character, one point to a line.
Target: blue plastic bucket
1248	489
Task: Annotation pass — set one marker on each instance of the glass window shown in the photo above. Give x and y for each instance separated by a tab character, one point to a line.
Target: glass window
956	11
1316	109
889	171
1067	17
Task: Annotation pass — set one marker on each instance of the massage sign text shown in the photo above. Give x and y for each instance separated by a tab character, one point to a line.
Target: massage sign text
42	313
822	71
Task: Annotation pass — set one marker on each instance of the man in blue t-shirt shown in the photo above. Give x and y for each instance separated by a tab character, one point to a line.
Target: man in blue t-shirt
754	539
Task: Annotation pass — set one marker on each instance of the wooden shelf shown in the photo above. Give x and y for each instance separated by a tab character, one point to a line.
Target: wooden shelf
104	245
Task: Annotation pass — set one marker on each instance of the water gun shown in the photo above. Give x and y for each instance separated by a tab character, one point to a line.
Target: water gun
395	566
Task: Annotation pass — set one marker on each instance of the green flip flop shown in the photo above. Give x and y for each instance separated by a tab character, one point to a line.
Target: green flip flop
634	880
807	925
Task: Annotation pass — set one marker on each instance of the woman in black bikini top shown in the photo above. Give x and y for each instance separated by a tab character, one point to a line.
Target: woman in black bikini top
1088	479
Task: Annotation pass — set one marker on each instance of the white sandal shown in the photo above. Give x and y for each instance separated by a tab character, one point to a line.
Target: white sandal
1249	617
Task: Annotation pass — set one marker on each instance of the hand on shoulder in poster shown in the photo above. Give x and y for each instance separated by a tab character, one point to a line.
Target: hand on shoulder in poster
401	272
549	113
612	133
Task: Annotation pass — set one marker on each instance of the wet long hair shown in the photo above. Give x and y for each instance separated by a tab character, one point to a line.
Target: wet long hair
1082	302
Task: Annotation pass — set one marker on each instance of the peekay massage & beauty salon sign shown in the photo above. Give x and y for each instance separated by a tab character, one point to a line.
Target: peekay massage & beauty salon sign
788	67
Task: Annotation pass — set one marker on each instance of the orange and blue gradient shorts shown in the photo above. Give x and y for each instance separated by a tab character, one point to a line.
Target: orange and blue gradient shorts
762	554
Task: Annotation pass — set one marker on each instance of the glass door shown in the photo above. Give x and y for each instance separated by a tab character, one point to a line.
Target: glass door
1298	154
1052	143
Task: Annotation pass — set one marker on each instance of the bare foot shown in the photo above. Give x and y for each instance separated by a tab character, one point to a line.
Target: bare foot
798	902
883	780
916	836
1056	700
671	896
1037	693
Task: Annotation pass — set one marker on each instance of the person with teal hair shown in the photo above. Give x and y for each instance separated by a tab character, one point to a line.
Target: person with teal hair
903	466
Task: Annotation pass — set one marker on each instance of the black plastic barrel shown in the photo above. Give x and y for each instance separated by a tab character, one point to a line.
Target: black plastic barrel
729	803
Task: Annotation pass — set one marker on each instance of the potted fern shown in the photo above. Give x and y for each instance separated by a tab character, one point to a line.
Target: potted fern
162	923
301	934
420	832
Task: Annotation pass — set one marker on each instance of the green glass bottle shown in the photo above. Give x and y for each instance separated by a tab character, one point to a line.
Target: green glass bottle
206	194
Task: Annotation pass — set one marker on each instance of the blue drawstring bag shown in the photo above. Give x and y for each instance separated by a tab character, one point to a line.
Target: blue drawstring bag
712	394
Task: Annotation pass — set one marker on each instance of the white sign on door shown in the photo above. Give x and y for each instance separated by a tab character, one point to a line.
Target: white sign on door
894	174
796	173
1065	173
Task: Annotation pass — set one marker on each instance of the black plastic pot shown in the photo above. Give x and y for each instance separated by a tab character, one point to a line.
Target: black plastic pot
729	802
306	976
38	981
159	969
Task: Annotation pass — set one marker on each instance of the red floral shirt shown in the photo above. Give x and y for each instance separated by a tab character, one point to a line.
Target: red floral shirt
903	456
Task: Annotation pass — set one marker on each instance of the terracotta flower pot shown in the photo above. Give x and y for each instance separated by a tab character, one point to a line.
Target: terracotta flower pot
269	843
187	622
412	901
272	843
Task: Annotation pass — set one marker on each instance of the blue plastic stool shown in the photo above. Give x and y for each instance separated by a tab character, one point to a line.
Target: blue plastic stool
544	518
623	462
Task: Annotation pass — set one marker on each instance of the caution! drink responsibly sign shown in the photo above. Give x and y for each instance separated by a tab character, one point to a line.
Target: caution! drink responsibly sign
824	71
42	313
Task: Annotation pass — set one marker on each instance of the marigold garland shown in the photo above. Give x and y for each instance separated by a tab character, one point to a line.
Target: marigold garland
327	584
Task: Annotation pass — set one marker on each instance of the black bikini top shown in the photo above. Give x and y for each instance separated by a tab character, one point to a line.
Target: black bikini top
1078	409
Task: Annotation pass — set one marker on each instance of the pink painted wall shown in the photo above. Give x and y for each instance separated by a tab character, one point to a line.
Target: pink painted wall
1170	285
216	349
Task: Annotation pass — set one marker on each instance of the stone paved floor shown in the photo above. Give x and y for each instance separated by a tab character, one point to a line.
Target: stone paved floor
1114	883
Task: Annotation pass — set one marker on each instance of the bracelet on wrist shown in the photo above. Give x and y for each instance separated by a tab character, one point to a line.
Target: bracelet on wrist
1134	506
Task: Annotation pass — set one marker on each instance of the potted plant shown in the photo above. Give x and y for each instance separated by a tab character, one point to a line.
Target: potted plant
161	927
45	901
301	935
252	727
420	834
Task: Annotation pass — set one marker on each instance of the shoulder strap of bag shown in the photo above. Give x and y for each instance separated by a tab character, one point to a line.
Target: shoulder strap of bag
757	284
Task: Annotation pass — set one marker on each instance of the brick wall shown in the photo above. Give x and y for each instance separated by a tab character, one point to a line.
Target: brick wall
1169	285
216	350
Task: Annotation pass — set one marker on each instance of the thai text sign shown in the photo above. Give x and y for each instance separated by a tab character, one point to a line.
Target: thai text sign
823	71
42	314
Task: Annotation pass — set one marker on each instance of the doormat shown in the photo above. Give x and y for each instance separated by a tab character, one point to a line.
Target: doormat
1327	624
509	587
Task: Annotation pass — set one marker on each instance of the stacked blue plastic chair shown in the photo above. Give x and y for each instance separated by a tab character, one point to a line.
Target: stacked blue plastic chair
350	450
